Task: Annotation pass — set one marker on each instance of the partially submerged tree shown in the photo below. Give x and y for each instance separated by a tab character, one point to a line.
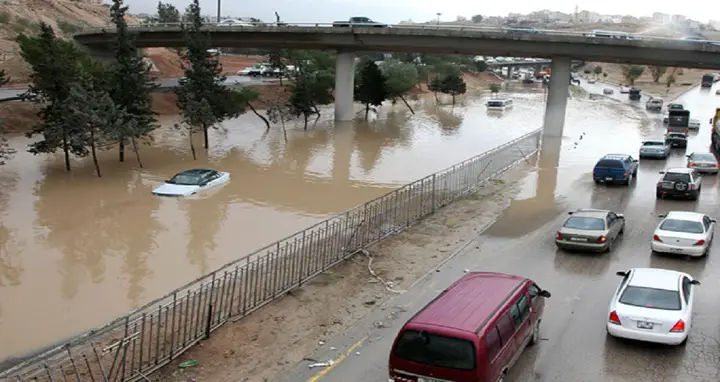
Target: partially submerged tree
56	65
657	72
309	90
453	84
401	78
131	87
203	99
5	150
597	70
91	108
494	88
371	86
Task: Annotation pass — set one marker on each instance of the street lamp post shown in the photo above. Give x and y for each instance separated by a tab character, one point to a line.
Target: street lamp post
218	11
438	17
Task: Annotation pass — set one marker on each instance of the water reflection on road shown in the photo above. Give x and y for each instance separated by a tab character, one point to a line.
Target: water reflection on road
84	250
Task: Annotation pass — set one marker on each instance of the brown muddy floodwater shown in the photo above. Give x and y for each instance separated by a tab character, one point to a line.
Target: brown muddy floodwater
77	251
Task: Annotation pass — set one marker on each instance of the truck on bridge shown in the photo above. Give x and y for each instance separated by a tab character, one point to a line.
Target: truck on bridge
360	22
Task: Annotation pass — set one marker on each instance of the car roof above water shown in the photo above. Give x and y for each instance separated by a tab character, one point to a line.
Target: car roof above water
470	302
685	215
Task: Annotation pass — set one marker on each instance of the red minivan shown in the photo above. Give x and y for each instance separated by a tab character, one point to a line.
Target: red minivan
474	331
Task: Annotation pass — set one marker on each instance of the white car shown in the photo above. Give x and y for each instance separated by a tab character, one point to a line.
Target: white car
591	81
684	233
624	89
190	182
694	124
234	23
652	305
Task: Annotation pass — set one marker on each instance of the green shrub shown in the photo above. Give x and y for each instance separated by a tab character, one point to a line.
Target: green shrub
4	17
67	28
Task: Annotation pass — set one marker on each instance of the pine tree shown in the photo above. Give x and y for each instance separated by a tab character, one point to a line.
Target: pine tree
203	98
371	89
131	87
56	66
5	150
453	84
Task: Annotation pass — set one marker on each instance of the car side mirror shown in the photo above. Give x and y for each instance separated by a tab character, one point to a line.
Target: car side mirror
570	213
544	293
621	273
620	216
713	220
661	172
695	282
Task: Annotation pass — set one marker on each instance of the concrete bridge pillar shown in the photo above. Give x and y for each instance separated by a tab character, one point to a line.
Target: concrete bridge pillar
558	93
345	86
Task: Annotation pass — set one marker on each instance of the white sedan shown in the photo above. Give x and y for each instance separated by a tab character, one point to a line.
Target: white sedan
624	89
191	182
694	124
684	233
652	305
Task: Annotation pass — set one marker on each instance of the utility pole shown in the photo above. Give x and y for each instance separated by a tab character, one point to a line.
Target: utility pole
438	17
218	13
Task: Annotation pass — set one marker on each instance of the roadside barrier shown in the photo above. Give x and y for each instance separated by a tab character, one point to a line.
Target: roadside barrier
132	347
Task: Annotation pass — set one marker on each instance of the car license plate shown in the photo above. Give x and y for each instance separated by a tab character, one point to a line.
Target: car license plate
644	325
608	178
578	239
426	379
675	249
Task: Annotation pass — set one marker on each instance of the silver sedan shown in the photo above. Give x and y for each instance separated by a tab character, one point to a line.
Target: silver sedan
591	230
703	162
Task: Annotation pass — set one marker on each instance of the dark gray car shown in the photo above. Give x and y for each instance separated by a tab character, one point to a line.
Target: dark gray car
590	230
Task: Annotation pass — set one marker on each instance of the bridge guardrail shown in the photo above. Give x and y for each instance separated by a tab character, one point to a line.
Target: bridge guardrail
510	30
130	348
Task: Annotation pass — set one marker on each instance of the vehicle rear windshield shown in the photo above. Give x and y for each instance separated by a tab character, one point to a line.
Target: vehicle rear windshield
496	103
612	163
677	135
436	350
704	157
577	222
674	106
676	177
682	226
654	143
651	298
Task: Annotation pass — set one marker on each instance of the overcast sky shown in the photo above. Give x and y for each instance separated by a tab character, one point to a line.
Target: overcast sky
393	11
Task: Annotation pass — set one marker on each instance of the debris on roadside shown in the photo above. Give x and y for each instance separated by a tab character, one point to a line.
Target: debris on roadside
321	364
187	364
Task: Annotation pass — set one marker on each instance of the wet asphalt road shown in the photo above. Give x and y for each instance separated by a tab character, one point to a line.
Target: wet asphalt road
574	344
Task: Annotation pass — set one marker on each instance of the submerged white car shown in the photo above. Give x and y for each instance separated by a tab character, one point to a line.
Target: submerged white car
652	305
684	233
191	182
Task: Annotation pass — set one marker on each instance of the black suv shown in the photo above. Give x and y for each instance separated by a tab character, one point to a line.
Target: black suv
676	139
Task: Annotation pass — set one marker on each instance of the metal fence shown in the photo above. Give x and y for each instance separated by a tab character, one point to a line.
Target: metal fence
132	347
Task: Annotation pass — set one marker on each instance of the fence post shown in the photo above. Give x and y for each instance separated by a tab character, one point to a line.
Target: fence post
433	192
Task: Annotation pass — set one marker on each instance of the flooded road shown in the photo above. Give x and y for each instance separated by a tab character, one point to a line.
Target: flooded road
77	251
574	345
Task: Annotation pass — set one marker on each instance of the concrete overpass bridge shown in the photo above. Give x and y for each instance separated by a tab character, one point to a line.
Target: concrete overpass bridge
560	47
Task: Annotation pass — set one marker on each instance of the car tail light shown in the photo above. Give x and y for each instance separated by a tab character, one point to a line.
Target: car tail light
679	327
601	240
614	319
625	173
700	242
657	238
559	236
692	186
691	164
659	184
715	164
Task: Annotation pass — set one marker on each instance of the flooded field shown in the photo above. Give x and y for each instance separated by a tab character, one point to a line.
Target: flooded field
77	250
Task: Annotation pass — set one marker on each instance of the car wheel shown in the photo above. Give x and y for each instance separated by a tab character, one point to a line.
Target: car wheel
502	376
622	230
695	195
535	335
658	195
628	181
597	181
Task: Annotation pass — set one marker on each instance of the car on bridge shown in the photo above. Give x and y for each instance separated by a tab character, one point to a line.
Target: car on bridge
615	168
360	22
234	23
590	230
652	305
522	29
